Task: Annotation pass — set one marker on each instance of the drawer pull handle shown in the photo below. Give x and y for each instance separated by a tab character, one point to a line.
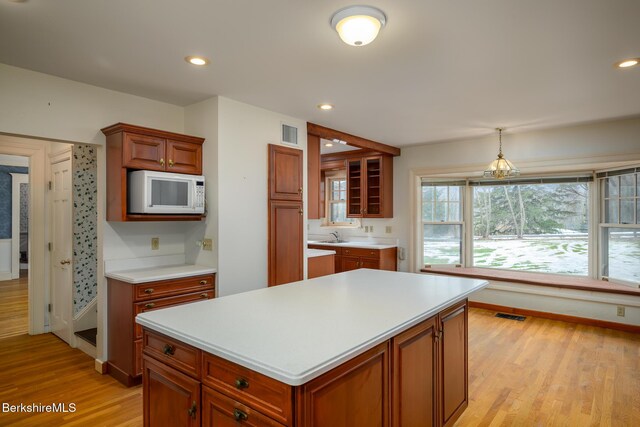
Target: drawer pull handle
171	163
192	411
149	305
203	282
241	383
240	415
204	295
148	291
169	350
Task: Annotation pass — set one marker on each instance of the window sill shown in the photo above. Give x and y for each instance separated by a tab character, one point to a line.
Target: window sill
536	279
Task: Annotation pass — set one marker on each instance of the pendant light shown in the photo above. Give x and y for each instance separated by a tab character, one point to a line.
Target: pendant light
358	25
501	168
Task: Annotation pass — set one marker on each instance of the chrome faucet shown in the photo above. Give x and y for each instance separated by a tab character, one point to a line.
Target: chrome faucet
336	235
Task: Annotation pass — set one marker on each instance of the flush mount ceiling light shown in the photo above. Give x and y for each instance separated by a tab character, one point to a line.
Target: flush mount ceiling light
325	107
328	144
358	25
627	63
501	168
197	60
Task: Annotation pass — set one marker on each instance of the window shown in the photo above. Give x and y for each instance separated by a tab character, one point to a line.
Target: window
336	199
442	224
532	225
620	225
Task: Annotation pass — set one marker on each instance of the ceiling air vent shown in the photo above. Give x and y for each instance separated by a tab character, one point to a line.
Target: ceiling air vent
289	134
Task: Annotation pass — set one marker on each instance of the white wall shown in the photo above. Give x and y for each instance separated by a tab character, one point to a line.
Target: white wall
52	108
244	132
9	160
5	259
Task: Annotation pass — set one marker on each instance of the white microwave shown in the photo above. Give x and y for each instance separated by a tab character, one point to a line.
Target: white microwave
150	192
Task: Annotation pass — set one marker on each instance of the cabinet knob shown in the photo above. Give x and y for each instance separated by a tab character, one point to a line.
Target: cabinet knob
149	305
170	163
168	349
241	383
192	411
301	211
148	291
204	295
161	161
203	282
300	190
239	415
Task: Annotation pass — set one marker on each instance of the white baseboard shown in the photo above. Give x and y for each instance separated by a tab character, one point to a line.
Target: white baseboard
86	347
100	366
5	275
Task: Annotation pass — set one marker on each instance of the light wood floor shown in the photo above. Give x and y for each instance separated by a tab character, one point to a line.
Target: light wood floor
13	307
533	373
549	373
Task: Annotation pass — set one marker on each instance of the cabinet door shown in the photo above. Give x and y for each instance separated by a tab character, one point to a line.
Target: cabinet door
355	393
220	411
285	242
355	191
414	376
453	363
350	263
184	157
370	263
285	173
169	398
143	152
314	178
372	181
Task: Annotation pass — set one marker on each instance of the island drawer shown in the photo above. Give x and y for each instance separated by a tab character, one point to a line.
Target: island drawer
142	307
264	394
165	288
220	410
171	352
361	252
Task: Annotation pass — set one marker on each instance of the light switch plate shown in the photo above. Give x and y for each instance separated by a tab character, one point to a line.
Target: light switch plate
155	243
387	229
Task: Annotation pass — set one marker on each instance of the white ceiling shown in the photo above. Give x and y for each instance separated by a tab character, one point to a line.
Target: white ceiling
335	148
439	69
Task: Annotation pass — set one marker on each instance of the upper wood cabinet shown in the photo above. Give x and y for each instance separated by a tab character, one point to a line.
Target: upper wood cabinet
370	187
285	173
132	147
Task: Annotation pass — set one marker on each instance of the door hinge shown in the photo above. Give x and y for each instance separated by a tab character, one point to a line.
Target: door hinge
50	246
50	185
49	308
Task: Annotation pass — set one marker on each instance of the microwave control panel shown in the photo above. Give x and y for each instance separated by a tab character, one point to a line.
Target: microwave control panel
199	194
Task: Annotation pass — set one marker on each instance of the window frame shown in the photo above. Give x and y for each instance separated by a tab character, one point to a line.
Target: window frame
328	201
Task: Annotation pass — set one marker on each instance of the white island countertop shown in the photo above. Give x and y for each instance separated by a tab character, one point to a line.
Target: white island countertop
298	331
312	253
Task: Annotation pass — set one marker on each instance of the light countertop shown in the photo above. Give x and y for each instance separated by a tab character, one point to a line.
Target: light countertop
298	331
364	245
152	274
312	253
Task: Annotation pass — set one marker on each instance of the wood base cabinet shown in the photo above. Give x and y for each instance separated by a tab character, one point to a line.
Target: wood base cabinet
126	300
416	379
348	258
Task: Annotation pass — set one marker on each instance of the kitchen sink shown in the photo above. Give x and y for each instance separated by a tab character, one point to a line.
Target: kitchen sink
333	241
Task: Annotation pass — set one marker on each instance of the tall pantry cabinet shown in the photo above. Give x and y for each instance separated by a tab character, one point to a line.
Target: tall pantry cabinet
285	215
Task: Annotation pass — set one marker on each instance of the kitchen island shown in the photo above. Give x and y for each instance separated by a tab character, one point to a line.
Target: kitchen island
360	348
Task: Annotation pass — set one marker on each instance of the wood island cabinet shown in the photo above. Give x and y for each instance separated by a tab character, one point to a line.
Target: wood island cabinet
417	378
126	300
347	258
131	148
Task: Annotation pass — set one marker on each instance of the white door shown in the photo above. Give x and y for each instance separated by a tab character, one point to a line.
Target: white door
61	240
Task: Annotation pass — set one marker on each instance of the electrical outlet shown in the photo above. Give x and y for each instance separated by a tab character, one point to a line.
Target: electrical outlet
621	311
387	229
155	243
207	244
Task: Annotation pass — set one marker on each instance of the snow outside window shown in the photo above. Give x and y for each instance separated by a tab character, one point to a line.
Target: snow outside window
620	225
442	222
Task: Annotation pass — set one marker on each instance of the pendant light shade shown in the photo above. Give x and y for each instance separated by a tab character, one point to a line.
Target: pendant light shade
358	25
501	168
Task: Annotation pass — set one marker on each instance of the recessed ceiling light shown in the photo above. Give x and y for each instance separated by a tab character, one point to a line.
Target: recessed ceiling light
358	25
628	63
325	107
328	144
197	60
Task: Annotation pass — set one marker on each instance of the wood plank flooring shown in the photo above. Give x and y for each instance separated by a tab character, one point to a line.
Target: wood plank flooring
44	370
533	373
14	307
549	373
